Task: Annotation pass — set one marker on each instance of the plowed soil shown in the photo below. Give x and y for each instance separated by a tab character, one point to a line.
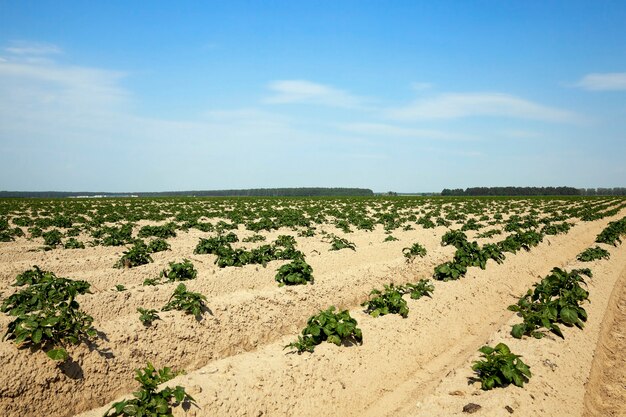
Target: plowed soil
234	358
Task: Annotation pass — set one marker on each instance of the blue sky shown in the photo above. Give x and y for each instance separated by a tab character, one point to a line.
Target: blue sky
402	95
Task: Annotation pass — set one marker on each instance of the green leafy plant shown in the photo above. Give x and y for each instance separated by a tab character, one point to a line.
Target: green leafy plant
499	367
556	299
450	270
611	235
294	273
390	238
120	287
454	238
52	238
592	254
388	301
421	288
48	317
147	316
338	243
149	402
179	271
254	238
416	250
166	231
72	243
328	326
158	245
151	281
187	301
135	256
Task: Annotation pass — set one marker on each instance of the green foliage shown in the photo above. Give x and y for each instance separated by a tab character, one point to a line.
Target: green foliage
489	233
556	229
52	238
450	270
151	281
390	238
179	271
35	232
389	301
556	299
416	250
281	249
454	238
158	245
338	243
611	235
166	231
422	288
294	273
520	240
187	301
136	255
147	316
120	288
47	315
592	254
72	243
149	402
328	326
115	236
471	224
214	245
499	367
254	238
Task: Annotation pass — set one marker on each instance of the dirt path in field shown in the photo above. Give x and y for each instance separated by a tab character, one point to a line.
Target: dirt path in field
402	361
606	393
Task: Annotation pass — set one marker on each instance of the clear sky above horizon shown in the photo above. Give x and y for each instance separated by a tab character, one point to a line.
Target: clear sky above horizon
405	96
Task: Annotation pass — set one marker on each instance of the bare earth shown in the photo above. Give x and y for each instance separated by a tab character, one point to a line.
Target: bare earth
234	357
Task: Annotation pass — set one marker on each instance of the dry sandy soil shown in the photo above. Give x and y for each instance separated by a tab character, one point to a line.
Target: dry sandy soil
234	358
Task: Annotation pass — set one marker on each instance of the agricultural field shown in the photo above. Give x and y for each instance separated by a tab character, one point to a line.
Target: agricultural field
400	306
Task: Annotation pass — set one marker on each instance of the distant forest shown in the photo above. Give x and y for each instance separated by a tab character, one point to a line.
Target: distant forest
532	191
255	192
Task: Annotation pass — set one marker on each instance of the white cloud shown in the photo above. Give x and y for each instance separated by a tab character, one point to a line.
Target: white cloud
302	91
421	86
615	81
457	105
32	48
381	129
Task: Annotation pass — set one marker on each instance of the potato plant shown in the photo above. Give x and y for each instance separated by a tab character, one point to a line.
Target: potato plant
592	254
48	317
179	271
136	255
556	299
338	243
147	316
416	250
294	273
388	301
612	234
187	301
499	368
327	326
149	402
158	245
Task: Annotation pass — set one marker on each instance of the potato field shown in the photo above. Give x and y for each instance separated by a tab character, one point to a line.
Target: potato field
382	306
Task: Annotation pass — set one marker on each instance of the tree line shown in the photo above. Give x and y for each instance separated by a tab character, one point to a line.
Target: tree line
253	192
532	191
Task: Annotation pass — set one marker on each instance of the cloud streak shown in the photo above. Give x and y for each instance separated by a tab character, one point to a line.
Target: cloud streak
459	105
307	92
382	129
615	81
32	48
